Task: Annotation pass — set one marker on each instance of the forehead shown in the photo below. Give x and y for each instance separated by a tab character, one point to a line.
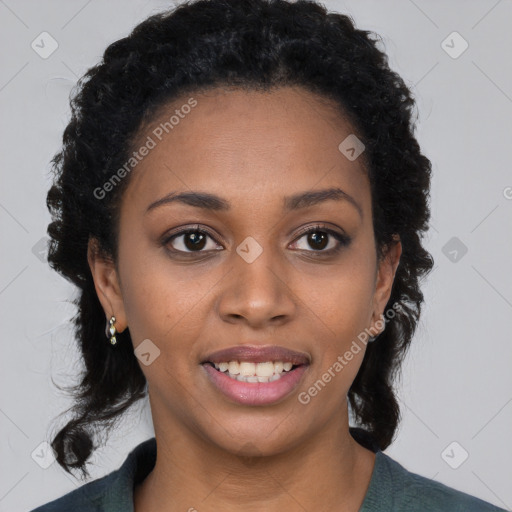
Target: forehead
246	144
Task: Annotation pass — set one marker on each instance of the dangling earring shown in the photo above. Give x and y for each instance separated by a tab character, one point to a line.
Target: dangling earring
110	330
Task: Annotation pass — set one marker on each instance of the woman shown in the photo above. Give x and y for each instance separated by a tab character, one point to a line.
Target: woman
240	200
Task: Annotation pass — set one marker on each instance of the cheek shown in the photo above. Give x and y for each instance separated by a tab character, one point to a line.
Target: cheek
344	316
338	305
163	301
340	300
343	312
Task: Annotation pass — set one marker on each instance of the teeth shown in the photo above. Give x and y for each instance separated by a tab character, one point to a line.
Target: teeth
233	367
254	378
246	371
265	369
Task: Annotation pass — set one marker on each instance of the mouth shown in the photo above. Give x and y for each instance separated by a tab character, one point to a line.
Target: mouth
252	375
247	371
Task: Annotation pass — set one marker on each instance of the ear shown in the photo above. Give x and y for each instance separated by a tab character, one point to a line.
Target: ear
384	280
106	283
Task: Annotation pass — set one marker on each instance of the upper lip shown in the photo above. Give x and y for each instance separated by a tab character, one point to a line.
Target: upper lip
258	354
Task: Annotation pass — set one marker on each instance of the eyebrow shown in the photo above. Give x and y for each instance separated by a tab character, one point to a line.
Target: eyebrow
299	201
314	197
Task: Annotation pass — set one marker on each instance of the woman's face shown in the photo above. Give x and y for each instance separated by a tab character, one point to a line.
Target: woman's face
250	279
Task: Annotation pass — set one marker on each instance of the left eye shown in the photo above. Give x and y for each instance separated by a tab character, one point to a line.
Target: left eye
321	240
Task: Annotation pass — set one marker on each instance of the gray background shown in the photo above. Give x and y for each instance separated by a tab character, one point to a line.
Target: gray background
457	382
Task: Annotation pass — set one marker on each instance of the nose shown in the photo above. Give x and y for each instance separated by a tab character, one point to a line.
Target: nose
258	294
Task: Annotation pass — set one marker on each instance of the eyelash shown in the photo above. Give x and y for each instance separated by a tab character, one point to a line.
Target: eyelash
343	240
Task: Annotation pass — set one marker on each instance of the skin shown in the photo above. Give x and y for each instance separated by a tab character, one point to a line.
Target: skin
252	149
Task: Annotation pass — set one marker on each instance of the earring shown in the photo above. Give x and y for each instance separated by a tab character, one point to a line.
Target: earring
110	330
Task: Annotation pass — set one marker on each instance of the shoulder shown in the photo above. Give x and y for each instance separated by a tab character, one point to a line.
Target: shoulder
407	491
111	492
88	498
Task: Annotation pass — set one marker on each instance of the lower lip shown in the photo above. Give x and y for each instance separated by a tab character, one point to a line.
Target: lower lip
255	393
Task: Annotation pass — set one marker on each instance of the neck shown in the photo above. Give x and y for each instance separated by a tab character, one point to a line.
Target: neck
327	471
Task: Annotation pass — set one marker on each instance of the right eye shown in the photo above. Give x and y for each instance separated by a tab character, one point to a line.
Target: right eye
190	241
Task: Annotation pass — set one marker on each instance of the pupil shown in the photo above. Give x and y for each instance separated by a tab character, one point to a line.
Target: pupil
317	238
196	239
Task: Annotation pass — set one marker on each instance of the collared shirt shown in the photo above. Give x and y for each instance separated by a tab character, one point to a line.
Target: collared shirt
392	489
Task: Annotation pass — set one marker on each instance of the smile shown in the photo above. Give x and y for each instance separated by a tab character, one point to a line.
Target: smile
247	371
248	388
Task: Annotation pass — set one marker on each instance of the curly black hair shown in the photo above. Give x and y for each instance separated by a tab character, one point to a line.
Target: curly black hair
254	45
